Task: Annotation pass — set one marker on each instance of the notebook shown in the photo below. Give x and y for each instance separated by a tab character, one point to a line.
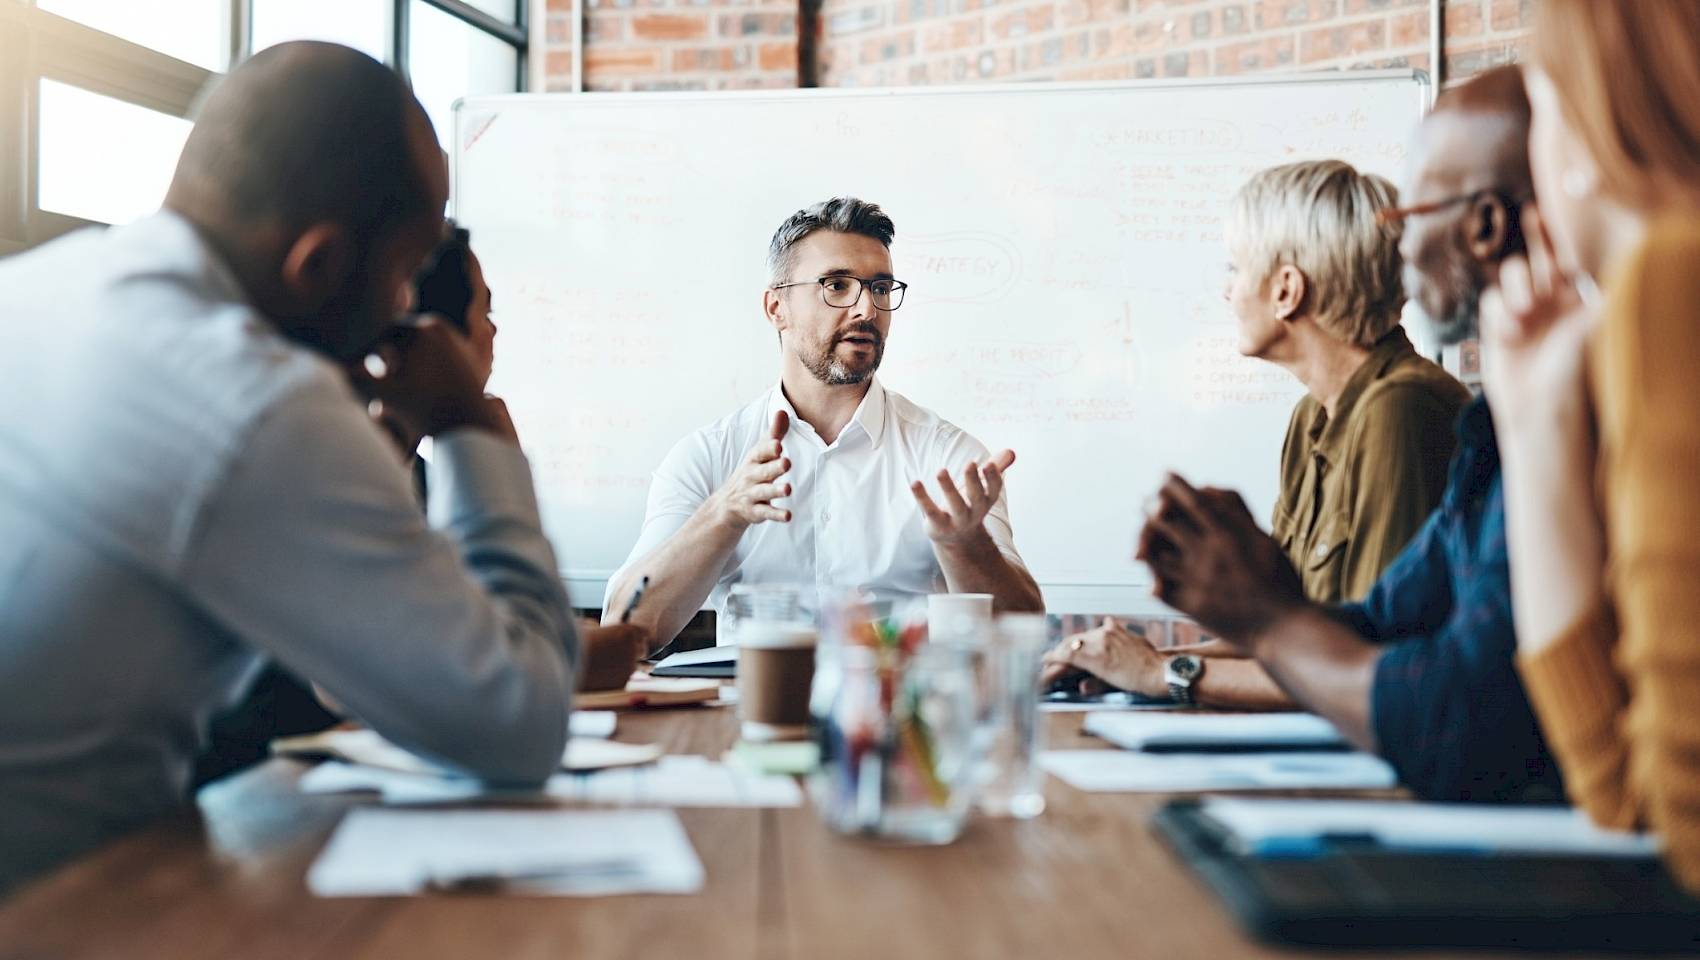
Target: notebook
1353	893
1215	731
714	662
650	692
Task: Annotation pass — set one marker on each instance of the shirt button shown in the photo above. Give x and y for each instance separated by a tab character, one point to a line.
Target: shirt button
825	516
1322	550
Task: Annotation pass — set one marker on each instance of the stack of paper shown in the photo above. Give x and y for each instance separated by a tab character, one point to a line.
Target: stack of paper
1215	731
681	781
675	781
368	749
377	852
642	691
1117	771
1283	827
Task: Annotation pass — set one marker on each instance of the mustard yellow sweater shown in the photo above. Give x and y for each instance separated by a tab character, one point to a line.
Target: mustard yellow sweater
1618	694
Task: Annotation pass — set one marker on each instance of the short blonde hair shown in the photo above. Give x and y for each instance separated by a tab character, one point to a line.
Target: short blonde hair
1626	74
1321	216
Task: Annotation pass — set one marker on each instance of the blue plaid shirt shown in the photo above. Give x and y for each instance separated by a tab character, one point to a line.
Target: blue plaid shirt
1448	709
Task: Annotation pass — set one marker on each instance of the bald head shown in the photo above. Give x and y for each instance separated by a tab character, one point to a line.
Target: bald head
1477	136
1472	152
307	132
315	175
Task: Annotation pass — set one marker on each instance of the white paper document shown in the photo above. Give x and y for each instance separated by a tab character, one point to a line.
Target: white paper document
675	781
592	723
1214	731
1119	771
378	852
681	781
1284	827
367	748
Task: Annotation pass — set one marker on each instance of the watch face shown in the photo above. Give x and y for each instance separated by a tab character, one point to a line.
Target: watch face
1185	667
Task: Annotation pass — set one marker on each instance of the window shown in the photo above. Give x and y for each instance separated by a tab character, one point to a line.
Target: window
194	31
82	175
364	25
449	59
96	92
448	48
93	96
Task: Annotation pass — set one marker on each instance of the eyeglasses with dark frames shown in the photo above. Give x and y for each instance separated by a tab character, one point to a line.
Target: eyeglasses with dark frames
841	290
1401	214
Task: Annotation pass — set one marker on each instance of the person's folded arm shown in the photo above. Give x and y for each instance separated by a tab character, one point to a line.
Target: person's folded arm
457	642
1628	729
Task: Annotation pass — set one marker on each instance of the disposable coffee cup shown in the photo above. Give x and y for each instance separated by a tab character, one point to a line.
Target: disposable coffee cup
958	617
776	668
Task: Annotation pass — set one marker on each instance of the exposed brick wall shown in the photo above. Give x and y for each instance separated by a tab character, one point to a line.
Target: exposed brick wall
675	44
898	42
731	44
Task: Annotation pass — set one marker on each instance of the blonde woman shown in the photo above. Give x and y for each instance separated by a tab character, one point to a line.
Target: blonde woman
1315	284
1593	378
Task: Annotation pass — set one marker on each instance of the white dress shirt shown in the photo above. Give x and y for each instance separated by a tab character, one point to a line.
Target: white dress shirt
183	491
854	522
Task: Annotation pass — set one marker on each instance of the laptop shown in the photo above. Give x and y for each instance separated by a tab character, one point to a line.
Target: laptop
1354	896
711	662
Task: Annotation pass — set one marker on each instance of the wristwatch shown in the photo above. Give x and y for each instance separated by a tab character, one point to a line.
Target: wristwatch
1180	673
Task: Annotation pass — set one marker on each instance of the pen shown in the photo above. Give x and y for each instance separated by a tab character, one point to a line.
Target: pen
636	596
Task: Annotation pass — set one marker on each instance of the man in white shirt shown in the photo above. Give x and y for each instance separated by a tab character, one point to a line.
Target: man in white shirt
819	482
188	482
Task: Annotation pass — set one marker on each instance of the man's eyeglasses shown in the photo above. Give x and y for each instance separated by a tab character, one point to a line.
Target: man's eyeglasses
1401	214
843	291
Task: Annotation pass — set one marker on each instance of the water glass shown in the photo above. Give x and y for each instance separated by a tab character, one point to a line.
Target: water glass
770	603
1011	783
894	718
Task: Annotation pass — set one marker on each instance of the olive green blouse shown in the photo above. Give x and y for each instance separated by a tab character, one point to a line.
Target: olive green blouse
1356	487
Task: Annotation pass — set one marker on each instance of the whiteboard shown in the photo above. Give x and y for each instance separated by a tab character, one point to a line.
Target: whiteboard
1063	246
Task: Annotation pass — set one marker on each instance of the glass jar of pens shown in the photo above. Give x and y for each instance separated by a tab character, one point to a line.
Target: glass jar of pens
894	717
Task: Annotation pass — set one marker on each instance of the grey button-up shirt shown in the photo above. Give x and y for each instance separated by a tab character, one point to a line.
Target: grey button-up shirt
184	492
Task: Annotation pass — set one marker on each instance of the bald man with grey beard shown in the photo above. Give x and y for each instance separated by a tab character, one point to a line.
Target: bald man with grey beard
190	485
1422	671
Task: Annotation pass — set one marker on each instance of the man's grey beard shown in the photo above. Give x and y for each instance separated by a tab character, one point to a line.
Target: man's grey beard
830	370
1459	322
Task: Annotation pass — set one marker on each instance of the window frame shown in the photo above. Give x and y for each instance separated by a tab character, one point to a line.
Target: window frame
515	34
37	45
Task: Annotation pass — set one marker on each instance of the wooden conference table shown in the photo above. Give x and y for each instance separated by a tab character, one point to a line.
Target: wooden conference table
1085	880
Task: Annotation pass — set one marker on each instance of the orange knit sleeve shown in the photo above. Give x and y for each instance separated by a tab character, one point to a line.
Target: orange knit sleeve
1619	694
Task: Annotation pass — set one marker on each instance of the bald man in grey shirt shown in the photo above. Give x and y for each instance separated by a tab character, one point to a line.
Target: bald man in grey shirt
189	484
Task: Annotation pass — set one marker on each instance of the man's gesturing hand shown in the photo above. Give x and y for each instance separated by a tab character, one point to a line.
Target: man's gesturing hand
747	498
1213	563
959	520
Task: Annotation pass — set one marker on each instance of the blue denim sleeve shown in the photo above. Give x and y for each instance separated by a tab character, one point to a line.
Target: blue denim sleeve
1448	709
1413	594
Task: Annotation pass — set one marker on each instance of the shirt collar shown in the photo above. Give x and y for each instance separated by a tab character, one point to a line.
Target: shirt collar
1330	431
869	415
170	233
